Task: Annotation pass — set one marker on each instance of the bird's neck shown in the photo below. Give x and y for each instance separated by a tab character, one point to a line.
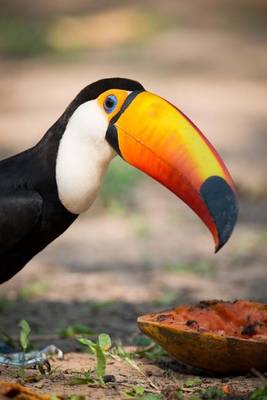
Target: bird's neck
80	167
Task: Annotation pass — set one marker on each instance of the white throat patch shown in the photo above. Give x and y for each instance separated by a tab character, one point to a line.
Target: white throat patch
83	157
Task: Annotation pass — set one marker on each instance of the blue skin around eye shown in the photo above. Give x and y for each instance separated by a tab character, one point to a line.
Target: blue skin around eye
110	99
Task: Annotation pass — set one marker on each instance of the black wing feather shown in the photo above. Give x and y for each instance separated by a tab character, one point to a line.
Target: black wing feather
19	213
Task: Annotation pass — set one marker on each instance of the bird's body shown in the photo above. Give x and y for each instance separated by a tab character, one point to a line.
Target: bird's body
31	214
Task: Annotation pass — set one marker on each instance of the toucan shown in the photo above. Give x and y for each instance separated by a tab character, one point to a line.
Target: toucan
45	188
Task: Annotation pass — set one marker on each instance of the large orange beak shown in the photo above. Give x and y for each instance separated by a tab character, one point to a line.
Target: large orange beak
157	138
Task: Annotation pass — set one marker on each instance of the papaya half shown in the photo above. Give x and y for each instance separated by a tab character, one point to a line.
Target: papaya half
214	336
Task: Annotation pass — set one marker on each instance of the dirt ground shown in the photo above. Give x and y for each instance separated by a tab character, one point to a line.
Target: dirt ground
117	263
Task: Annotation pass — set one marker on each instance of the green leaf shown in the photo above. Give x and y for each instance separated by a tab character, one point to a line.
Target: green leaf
212	393
259	394
89	343
21	374
142	341
24	334
179	394
135	391
139	390
120	352
156	353
138	393
150	396
191	382
100	363
104	341
4	337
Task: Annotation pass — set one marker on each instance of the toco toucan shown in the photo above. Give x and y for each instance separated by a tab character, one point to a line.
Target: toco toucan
45	188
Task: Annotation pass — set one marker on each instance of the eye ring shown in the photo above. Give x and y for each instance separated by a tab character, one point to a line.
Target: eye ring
110	103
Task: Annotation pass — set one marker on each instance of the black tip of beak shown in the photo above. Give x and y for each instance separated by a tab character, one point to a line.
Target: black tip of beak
222	205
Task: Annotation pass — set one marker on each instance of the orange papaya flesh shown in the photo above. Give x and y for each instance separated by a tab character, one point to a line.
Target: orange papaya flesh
240	318
216	336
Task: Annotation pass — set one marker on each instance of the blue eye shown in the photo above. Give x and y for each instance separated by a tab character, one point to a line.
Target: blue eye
110	103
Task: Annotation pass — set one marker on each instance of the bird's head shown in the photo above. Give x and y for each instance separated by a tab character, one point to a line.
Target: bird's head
151	134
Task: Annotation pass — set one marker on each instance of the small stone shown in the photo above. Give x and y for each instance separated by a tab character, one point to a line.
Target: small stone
109	378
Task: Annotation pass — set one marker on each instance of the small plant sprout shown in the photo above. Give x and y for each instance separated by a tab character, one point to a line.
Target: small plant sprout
24	341
135	394
192	382
135	391
212	393
100	349
259	394
25	331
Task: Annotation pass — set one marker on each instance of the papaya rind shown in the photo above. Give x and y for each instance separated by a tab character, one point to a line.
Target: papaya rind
207	351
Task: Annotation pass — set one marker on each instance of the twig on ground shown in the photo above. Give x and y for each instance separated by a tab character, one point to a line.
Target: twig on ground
259	375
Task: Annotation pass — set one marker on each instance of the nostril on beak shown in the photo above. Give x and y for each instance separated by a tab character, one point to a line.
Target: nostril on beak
221	202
